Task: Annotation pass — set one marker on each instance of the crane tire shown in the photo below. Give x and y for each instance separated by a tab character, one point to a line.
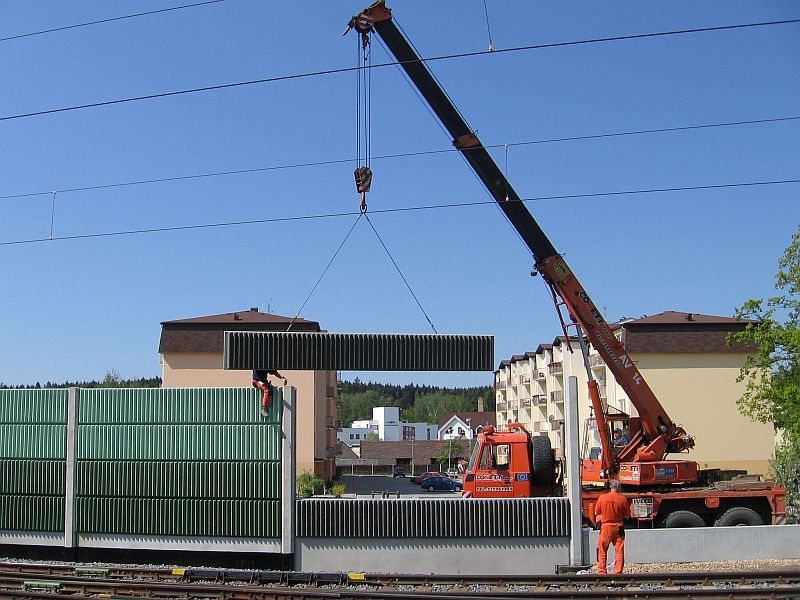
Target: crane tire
739	516
542	459
683	518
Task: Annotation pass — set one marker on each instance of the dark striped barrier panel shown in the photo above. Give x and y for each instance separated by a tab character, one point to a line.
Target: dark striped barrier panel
303	351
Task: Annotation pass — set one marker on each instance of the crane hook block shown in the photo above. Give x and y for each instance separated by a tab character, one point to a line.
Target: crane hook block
363	179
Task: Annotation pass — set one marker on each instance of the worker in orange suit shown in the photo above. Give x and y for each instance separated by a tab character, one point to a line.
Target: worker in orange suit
262	382
611	510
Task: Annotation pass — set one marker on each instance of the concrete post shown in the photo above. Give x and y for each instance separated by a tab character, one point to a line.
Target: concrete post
73	395
288	462
572	453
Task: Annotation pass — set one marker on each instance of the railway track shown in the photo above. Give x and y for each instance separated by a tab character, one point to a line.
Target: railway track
38	580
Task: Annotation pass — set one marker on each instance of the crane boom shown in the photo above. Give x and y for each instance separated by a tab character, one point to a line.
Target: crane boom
659	433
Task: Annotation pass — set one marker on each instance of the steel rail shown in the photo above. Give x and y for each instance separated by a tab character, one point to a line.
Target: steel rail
17	580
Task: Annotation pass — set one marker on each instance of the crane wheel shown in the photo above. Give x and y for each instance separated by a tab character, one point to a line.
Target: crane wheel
739	516
683	518
542	459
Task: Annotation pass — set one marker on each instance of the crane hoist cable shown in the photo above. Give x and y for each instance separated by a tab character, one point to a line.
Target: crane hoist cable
397	267
363	173
325	270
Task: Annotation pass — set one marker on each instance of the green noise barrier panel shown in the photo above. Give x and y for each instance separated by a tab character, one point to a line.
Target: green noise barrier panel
32	459
178	461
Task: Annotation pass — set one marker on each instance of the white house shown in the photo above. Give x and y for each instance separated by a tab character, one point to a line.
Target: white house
387	425
465	425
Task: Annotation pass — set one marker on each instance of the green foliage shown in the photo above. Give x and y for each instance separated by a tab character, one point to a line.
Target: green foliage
111	379
772	374
308	484
786	469
338	490
372	437
450	450
359	398
429	407
358	406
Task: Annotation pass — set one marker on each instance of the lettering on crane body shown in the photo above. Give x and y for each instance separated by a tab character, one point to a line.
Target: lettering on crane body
493	477
495	489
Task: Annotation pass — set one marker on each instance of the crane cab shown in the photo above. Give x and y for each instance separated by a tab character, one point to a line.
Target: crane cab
510	464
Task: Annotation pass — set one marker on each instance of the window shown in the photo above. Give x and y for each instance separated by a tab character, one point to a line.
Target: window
502	456
352	437
461	431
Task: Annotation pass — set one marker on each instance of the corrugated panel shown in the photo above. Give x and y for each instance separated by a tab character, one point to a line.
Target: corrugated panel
33	441
32	513
32	477
186	479
358	351
33	406
178	442
172	405
422	518
239	518
178	461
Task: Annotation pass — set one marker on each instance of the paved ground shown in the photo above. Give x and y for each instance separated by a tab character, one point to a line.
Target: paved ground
362	486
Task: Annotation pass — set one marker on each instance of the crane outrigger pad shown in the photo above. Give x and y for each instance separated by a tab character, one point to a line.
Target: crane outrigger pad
303	351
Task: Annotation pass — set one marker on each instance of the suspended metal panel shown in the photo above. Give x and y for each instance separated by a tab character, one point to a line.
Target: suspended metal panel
357	351
422	518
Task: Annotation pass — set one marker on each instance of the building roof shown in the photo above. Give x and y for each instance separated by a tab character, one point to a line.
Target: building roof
672	317
674	331
424	450
474	419
206	334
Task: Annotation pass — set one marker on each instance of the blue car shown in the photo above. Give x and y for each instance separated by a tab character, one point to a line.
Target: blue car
437	483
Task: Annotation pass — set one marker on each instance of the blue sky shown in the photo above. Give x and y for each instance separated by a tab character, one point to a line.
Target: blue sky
74	309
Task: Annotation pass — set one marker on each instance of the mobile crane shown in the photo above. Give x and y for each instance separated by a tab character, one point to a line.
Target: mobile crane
513	463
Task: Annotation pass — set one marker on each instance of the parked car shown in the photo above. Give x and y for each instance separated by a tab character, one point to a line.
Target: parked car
453	473
439	483
420	478
399	472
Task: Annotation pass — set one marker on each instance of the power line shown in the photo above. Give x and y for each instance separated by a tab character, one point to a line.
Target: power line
395	210
308	74
109	20
399	155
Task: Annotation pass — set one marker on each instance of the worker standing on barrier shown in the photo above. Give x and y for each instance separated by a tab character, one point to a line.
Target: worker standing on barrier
261	381
611	510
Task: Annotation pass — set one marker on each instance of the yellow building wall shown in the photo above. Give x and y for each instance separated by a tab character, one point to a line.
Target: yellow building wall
699	392
204	369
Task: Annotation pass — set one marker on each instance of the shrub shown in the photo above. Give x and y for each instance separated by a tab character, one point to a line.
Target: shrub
308	483
338	490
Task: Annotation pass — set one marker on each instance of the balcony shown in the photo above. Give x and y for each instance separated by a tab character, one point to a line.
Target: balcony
525	402
557	396
513	405
524	379
540	400
540	374
556	368
501	407
500	385
595	360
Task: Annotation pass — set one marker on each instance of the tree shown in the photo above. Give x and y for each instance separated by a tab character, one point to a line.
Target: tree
451	449
112	379
772	374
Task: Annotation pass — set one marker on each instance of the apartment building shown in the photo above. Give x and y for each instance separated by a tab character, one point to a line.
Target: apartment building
191	353
684	358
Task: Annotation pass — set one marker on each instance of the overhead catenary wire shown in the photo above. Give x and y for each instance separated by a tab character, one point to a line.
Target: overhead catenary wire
394	210
108	20
319	73
400	155
403	277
